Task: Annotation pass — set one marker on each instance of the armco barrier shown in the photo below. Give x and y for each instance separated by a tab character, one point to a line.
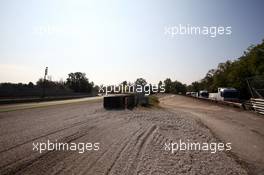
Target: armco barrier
255	104
225	103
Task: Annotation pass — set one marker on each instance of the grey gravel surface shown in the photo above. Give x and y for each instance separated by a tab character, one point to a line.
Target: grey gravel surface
131	142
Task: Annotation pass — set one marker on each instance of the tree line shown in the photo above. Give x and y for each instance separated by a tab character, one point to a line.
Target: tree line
236	73
76	83
229	74
243	73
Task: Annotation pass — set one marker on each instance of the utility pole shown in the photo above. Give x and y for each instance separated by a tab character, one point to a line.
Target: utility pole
44	81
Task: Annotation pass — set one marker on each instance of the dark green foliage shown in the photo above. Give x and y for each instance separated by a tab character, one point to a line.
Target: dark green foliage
79	83
19	90
174	87
76	84
51	84
153	100
234	73
141	81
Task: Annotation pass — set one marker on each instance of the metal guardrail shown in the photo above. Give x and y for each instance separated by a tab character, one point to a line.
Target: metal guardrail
258	105
226	103
254	104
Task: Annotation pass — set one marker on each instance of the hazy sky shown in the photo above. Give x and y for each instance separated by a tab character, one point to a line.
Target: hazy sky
113	40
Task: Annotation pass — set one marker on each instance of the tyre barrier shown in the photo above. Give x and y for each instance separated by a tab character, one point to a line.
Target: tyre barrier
121	101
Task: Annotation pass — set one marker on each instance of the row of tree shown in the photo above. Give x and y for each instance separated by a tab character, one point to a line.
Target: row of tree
229	74
76	83
235	73
169	85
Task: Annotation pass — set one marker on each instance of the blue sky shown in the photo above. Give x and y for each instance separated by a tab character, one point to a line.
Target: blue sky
114	40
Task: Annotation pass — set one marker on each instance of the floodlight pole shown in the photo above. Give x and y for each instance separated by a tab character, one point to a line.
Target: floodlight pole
44	81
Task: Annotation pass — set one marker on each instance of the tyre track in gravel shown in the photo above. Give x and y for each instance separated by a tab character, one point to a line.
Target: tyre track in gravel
22	163
242	128
115	144
67	139
106	162
52	156
131	143
78	125
99	156
47	131
58	130
124	146
127	160
167	163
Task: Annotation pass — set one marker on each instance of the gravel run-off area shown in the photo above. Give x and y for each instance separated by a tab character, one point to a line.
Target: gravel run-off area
131	142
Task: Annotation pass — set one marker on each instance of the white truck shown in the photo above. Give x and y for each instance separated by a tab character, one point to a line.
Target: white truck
225	94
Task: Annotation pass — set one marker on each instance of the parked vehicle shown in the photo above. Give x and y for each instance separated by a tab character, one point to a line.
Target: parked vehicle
194	94
203	94
225	94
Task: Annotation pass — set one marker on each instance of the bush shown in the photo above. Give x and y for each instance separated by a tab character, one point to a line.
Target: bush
153	100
